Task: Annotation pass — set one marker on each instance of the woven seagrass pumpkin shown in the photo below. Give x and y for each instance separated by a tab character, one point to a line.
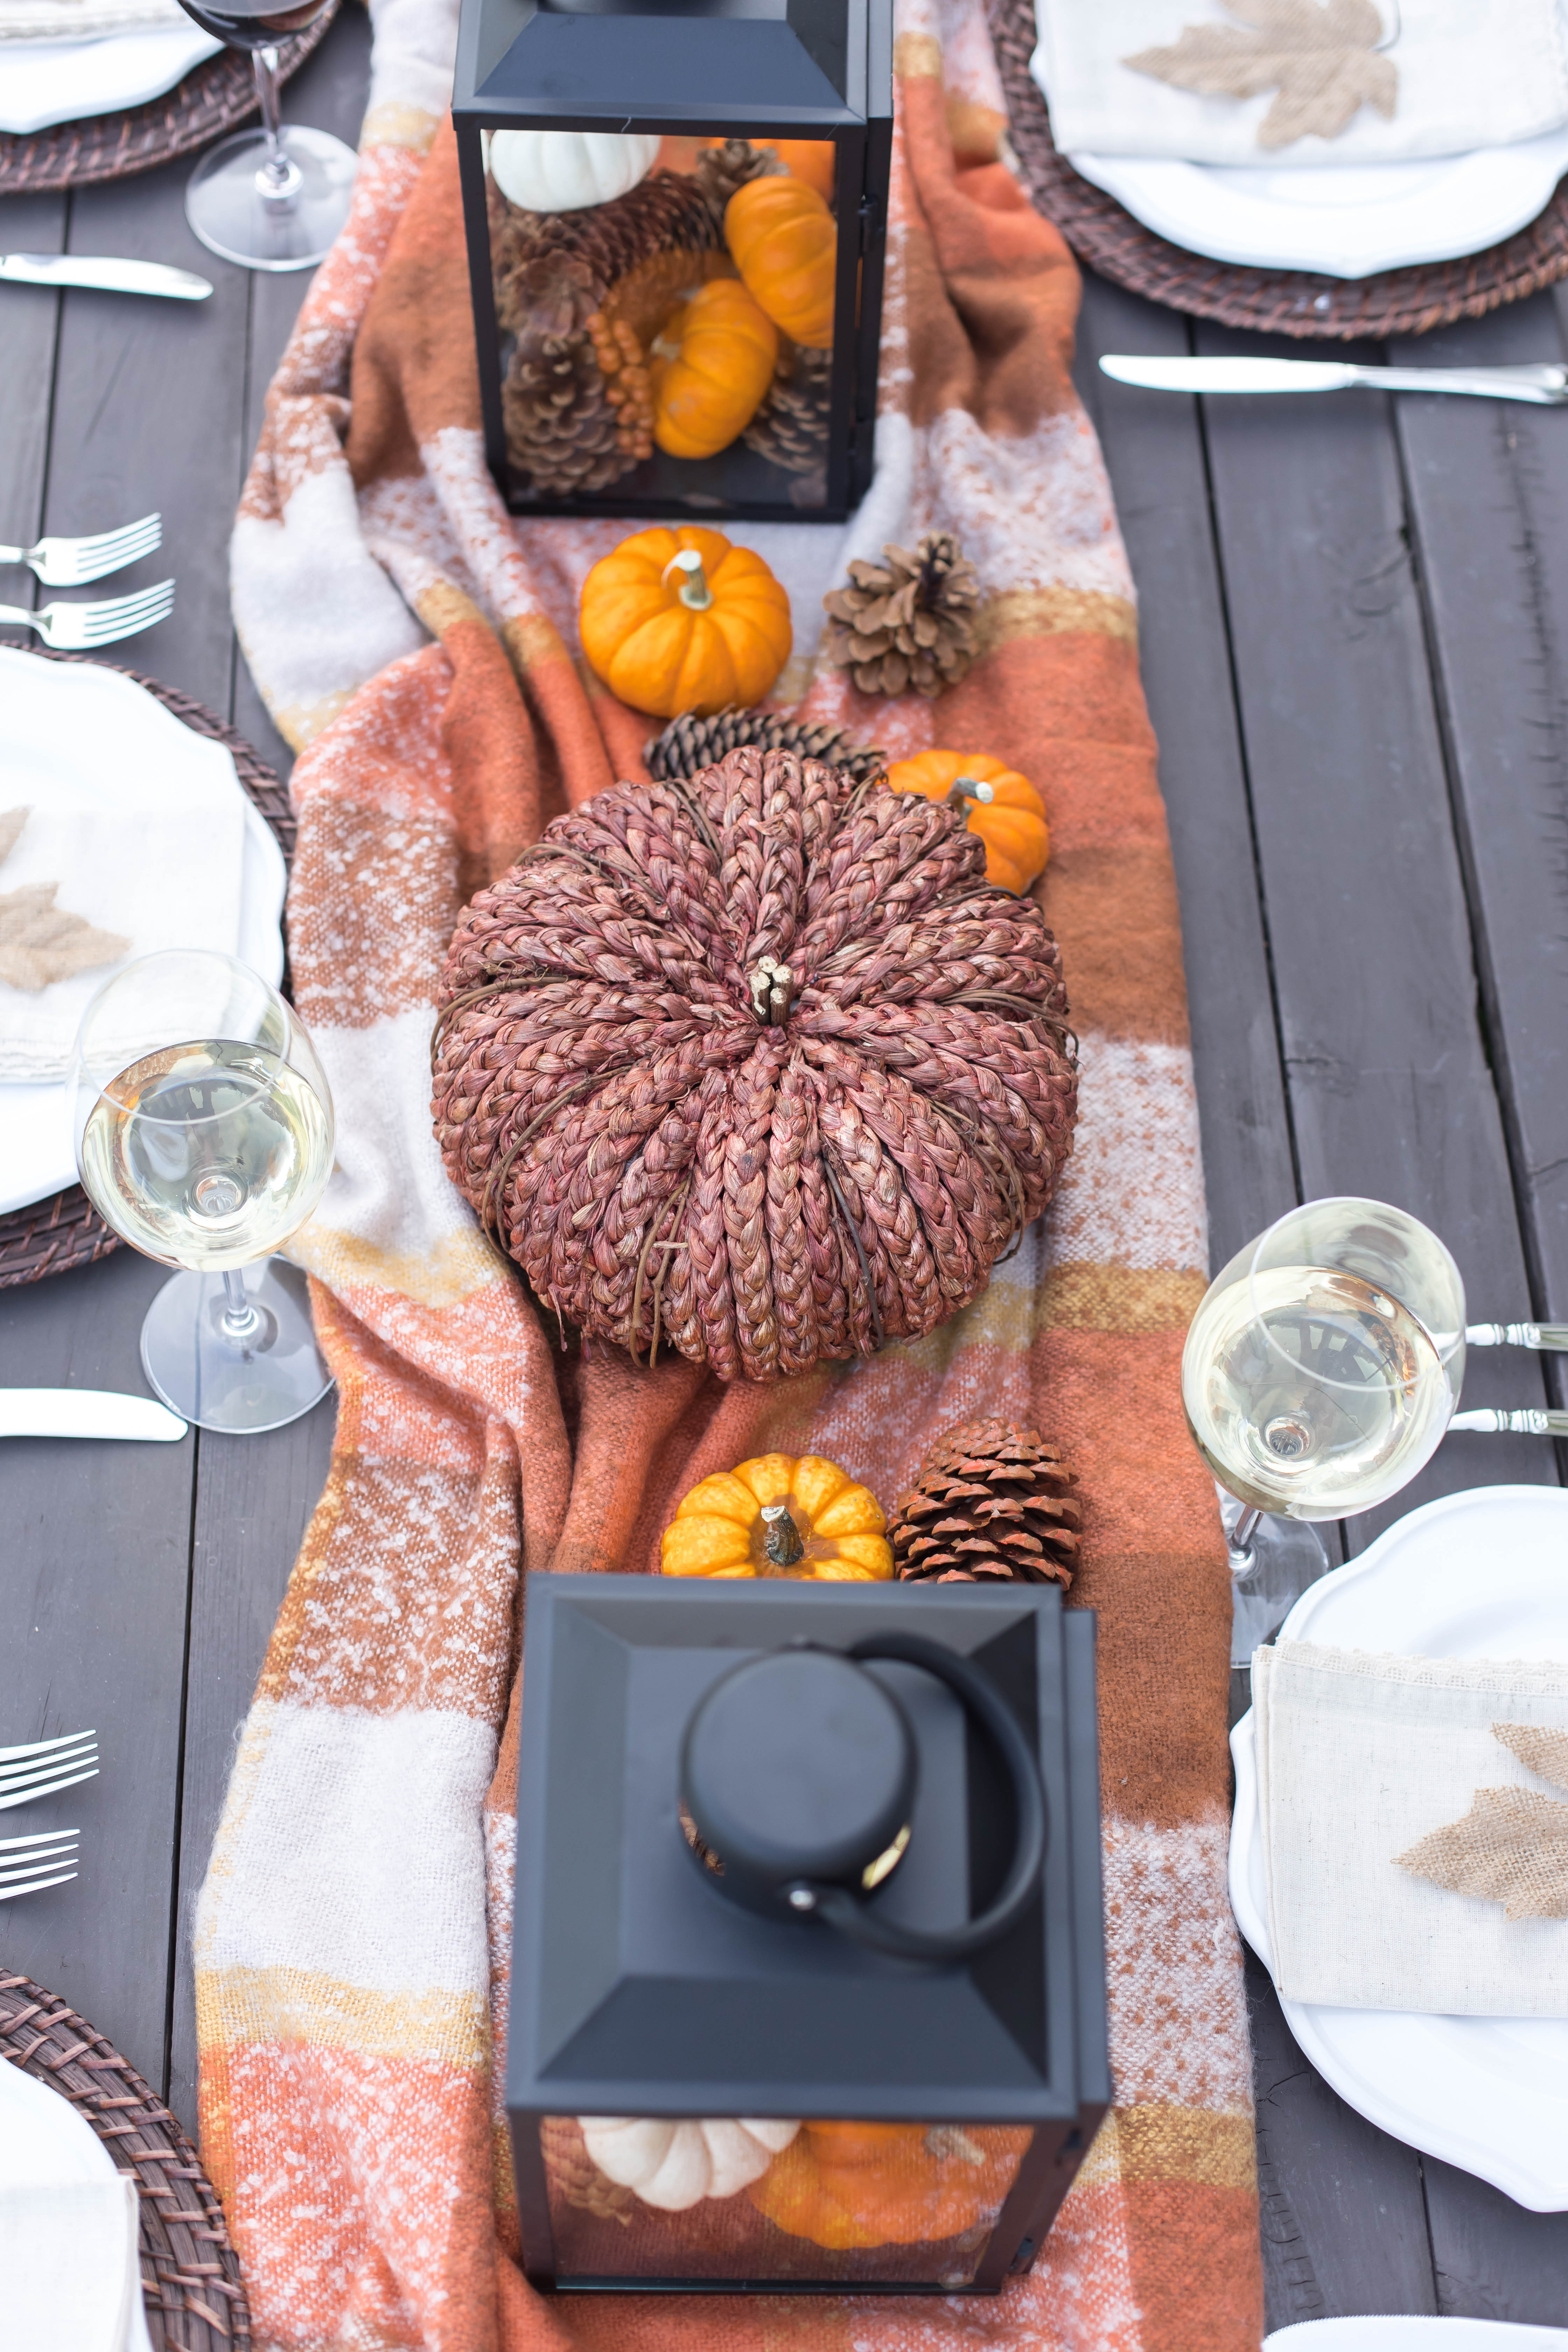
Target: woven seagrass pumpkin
758	1066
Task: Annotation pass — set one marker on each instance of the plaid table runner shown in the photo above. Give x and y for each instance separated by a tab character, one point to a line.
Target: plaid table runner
420	647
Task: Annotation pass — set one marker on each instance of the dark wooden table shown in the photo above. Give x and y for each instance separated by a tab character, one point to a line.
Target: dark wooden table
1355	644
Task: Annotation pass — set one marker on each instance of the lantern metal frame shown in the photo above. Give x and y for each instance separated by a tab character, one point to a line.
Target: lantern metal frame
671	70
636	1989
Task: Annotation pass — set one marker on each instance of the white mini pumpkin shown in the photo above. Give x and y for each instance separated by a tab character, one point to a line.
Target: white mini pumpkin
673	2164
562	170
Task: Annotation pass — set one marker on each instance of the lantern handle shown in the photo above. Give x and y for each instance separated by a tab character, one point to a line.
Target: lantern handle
985	1702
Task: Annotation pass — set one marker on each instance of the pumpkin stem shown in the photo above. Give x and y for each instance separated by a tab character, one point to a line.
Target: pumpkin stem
963	789
772	985
782	1542
694	591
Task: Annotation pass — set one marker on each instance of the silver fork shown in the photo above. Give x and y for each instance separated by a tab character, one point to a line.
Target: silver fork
28	1864
1527	1420
45	1766
77	628
1551	1336
72	562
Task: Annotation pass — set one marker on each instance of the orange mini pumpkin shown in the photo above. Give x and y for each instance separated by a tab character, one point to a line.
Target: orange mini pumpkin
782	237
1009	816
845	2184
810	160
721	351
680	620
780	1515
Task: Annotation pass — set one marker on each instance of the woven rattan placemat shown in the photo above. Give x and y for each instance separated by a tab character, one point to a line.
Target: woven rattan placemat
213	98
190	2273
65	1230
1282	302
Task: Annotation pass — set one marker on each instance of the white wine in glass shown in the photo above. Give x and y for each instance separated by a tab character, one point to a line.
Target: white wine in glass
204	1138
1325	1364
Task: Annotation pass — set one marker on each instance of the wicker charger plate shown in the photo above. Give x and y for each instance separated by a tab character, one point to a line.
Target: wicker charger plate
65	1230
1282	302
212	99
190	2284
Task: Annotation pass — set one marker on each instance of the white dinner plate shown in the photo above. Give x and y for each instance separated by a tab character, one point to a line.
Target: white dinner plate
1345	223
98	723
44	82
43	2137
1479	1575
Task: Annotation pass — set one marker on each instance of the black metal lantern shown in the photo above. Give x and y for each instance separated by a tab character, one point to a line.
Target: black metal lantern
808	1975
655	337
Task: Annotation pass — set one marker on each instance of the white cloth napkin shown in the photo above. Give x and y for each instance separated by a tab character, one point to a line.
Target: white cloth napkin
83	20
1360	1755
157	857
70	2278
56	80
1472	73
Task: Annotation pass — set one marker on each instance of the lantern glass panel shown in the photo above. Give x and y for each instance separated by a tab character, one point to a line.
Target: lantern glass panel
840	2203
668	315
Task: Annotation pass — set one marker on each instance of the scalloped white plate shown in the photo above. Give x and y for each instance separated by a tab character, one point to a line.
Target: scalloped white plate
1346	222
102	731
1479	1575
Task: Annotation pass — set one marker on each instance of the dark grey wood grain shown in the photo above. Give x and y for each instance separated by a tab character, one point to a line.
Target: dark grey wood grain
1154	452
29	323
1339	2203
254	1500
1494	2260
1391	1091
1489	495
93	1584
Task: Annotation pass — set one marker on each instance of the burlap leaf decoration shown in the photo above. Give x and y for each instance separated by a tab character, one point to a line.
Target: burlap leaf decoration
1511	1847
1321	61
40	941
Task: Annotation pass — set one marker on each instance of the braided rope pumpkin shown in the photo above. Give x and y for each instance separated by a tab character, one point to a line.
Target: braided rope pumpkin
757	1065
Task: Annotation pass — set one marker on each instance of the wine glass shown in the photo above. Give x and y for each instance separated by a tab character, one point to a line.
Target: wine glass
1320	1373
203	1135
273	198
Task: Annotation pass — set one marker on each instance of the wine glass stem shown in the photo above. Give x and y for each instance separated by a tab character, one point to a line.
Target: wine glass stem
1242	1558
278	179
241	1321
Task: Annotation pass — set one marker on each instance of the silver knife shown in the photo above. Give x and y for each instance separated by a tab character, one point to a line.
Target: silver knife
112	277
1546	385
85	1413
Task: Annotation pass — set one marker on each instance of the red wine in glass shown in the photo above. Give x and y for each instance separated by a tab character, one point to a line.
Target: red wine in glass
255	29
273	198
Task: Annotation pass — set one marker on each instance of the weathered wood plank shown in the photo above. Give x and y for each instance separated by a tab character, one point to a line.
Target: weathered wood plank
1154	452
29	324
1361	875
1488	491
148	413
1339	2202
93	1582
254	1495
1495	2260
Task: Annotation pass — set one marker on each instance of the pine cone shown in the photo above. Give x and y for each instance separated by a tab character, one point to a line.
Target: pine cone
993	1503
690	744
790	428
723	169
908	621
581	292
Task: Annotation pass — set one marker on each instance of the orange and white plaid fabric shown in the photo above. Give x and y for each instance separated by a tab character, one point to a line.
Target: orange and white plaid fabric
420	647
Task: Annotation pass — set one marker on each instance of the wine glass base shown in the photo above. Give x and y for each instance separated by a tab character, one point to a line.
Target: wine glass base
226	208
265	1382
1287	1555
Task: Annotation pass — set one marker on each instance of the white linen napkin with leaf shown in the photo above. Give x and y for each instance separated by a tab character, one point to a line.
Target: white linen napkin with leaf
1299	83
88	880
1368	1768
